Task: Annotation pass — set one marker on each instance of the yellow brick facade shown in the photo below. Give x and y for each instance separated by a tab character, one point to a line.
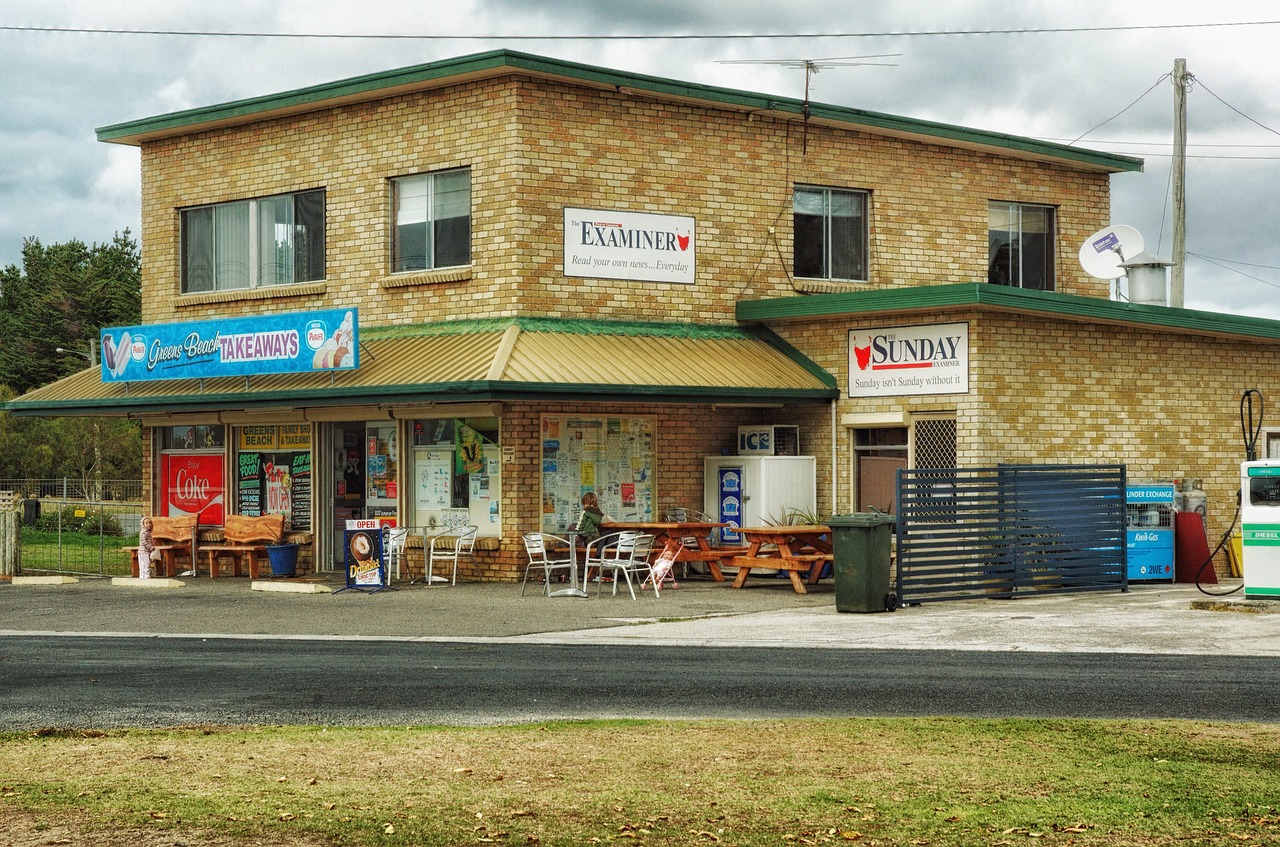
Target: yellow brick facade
536	146
1166	404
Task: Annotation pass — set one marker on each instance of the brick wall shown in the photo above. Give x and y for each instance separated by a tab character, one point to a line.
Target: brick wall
1046	391
535	147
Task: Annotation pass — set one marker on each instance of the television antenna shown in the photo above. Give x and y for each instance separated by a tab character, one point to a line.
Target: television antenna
811	67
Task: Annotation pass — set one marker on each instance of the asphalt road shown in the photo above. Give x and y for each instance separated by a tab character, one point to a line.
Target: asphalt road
106	682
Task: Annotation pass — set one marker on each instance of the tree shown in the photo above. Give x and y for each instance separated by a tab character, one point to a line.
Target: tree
63	296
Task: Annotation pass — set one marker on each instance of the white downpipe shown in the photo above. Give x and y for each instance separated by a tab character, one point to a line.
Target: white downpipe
834	452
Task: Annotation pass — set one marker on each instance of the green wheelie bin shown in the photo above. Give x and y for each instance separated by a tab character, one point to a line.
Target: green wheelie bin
860	543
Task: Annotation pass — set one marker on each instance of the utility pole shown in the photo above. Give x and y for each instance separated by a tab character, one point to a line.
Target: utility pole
1178	279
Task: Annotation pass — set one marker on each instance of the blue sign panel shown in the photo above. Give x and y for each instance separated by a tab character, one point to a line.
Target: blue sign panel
729	486
298	342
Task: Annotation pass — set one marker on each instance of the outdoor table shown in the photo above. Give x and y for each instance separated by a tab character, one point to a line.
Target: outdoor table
573	590
792	549
664	531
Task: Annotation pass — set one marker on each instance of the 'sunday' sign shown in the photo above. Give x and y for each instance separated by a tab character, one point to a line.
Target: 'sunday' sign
629	245
297	342
900	360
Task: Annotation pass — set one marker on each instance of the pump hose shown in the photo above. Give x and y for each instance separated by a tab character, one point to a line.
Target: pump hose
1249	431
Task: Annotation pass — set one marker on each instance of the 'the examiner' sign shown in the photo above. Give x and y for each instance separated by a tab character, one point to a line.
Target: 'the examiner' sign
298	342
629	245
900	360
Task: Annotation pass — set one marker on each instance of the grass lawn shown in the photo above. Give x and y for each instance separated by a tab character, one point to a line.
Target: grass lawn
79	553
916	782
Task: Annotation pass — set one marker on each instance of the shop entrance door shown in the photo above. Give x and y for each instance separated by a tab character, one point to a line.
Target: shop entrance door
365	477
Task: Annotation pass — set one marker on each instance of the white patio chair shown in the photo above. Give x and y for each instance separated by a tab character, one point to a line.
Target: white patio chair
448	545
536	545
622	554
396	537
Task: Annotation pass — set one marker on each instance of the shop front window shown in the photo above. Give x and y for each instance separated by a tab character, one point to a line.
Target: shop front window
612	456
273	473
457	473
192	479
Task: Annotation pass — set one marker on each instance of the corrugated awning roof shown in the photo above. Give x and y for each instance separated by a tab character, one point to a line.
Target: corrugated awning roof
464	361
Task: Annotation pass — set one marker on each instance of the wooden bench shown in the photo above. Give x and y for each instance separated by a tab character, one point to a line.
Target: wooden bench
243	537
172	537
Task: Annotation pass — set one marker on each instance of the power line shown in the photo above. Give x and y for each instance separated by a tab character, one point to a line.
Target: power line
658	37
1233	270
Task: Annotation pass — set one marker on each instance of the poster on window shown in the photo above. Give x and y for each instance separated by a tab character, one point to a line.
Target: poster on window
908	360
610	456
193	484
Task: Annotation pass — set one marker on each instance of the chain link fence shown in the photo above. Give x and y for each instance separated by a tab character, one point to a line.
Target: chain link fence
75	488
77	537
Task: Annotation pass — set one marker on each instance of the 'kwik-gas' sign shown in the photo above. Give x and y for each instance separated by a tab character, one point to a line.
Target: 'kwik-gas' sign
894	361
629	245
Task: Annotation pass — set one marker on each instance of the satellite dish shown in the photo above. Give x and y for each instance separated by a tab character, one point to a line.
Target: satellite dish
1104	252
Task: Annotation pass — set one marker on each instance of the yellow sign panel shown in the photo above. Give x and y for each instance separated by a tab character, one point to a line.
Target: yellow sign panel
295	436
257	438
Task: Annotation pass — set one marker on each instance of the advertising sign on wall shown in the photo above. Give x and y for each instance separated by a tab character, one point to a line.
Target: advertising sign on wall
297	342
901	360
629	245
193	485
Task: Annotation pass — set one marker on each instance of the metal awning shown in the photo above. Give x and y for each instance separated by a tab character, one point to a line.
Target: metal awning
491	360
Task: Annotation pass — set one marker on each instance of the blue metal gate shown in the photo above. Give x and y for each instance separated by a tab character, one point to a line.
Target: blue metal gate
965	533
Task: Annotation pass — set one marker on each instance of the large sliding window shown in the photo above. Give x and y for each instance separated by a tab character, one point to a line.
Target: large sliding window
1020	246
432	220
254	243
830	233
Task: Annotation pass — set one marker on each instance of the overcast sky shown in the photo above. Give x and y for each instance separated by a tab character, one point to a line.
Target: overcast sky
1107	80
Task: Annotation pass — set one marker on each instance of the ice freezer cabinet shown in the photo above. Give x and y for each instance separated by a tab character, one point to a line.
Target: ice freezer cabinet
758	491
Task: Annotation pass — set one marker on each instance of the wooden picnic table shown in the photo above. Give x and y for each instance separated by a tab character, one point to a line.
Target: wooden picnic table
794	549
664	531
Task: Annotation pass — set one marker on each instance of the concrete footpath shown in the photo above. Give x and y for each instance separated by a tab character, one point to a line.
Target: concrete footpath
1173	619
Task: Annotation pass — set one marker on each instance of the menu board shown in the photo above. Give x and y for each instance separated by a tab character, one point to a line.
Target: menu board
271	480
249	484
300	467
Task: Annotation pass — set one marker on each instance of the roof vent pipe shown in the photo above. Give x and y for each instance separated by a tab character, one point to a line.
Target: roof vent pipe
1148	279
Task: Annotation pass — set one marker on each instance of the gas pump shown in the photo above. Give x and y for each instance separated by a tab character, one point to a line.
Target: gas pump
1260	527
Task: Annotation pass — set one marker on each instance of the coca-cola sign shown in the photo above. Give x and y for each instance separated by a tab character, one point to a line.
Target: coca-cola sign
194	484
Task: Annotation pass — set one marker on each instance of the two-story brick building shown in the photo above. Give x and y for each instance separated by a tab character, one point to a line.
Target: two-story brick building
562	277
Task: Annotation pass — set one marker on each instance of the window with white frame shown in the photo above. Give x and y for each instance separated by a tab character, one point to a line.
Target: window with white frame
254	243
830	227
1020	246
432	220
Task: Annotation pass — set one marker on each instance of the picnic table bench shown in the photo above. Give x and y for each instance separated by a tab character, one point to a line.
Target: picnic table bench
243	537
794	549
172	537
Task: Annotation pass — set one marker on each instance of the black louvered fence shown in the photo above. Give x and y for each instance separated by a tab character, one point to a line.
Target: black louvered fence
1012	530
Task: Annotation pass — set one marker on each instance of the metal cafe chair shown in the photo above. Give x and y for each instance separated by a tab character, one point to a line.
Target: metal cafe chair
624	554
448	545
536	545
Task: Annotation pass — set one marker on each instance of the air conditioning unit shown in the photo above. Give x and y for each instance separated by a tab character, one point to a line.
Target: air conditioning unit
769	440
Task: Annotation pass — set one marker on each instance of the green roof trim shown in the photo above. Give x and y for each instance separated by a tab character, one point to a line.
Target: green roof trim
568	326
413	393
1004	298
497	62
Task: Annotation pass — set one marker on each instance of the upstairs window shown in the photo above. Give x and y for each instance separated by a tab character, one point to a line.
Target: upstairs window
1020	246
254	243
830	233
432	221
